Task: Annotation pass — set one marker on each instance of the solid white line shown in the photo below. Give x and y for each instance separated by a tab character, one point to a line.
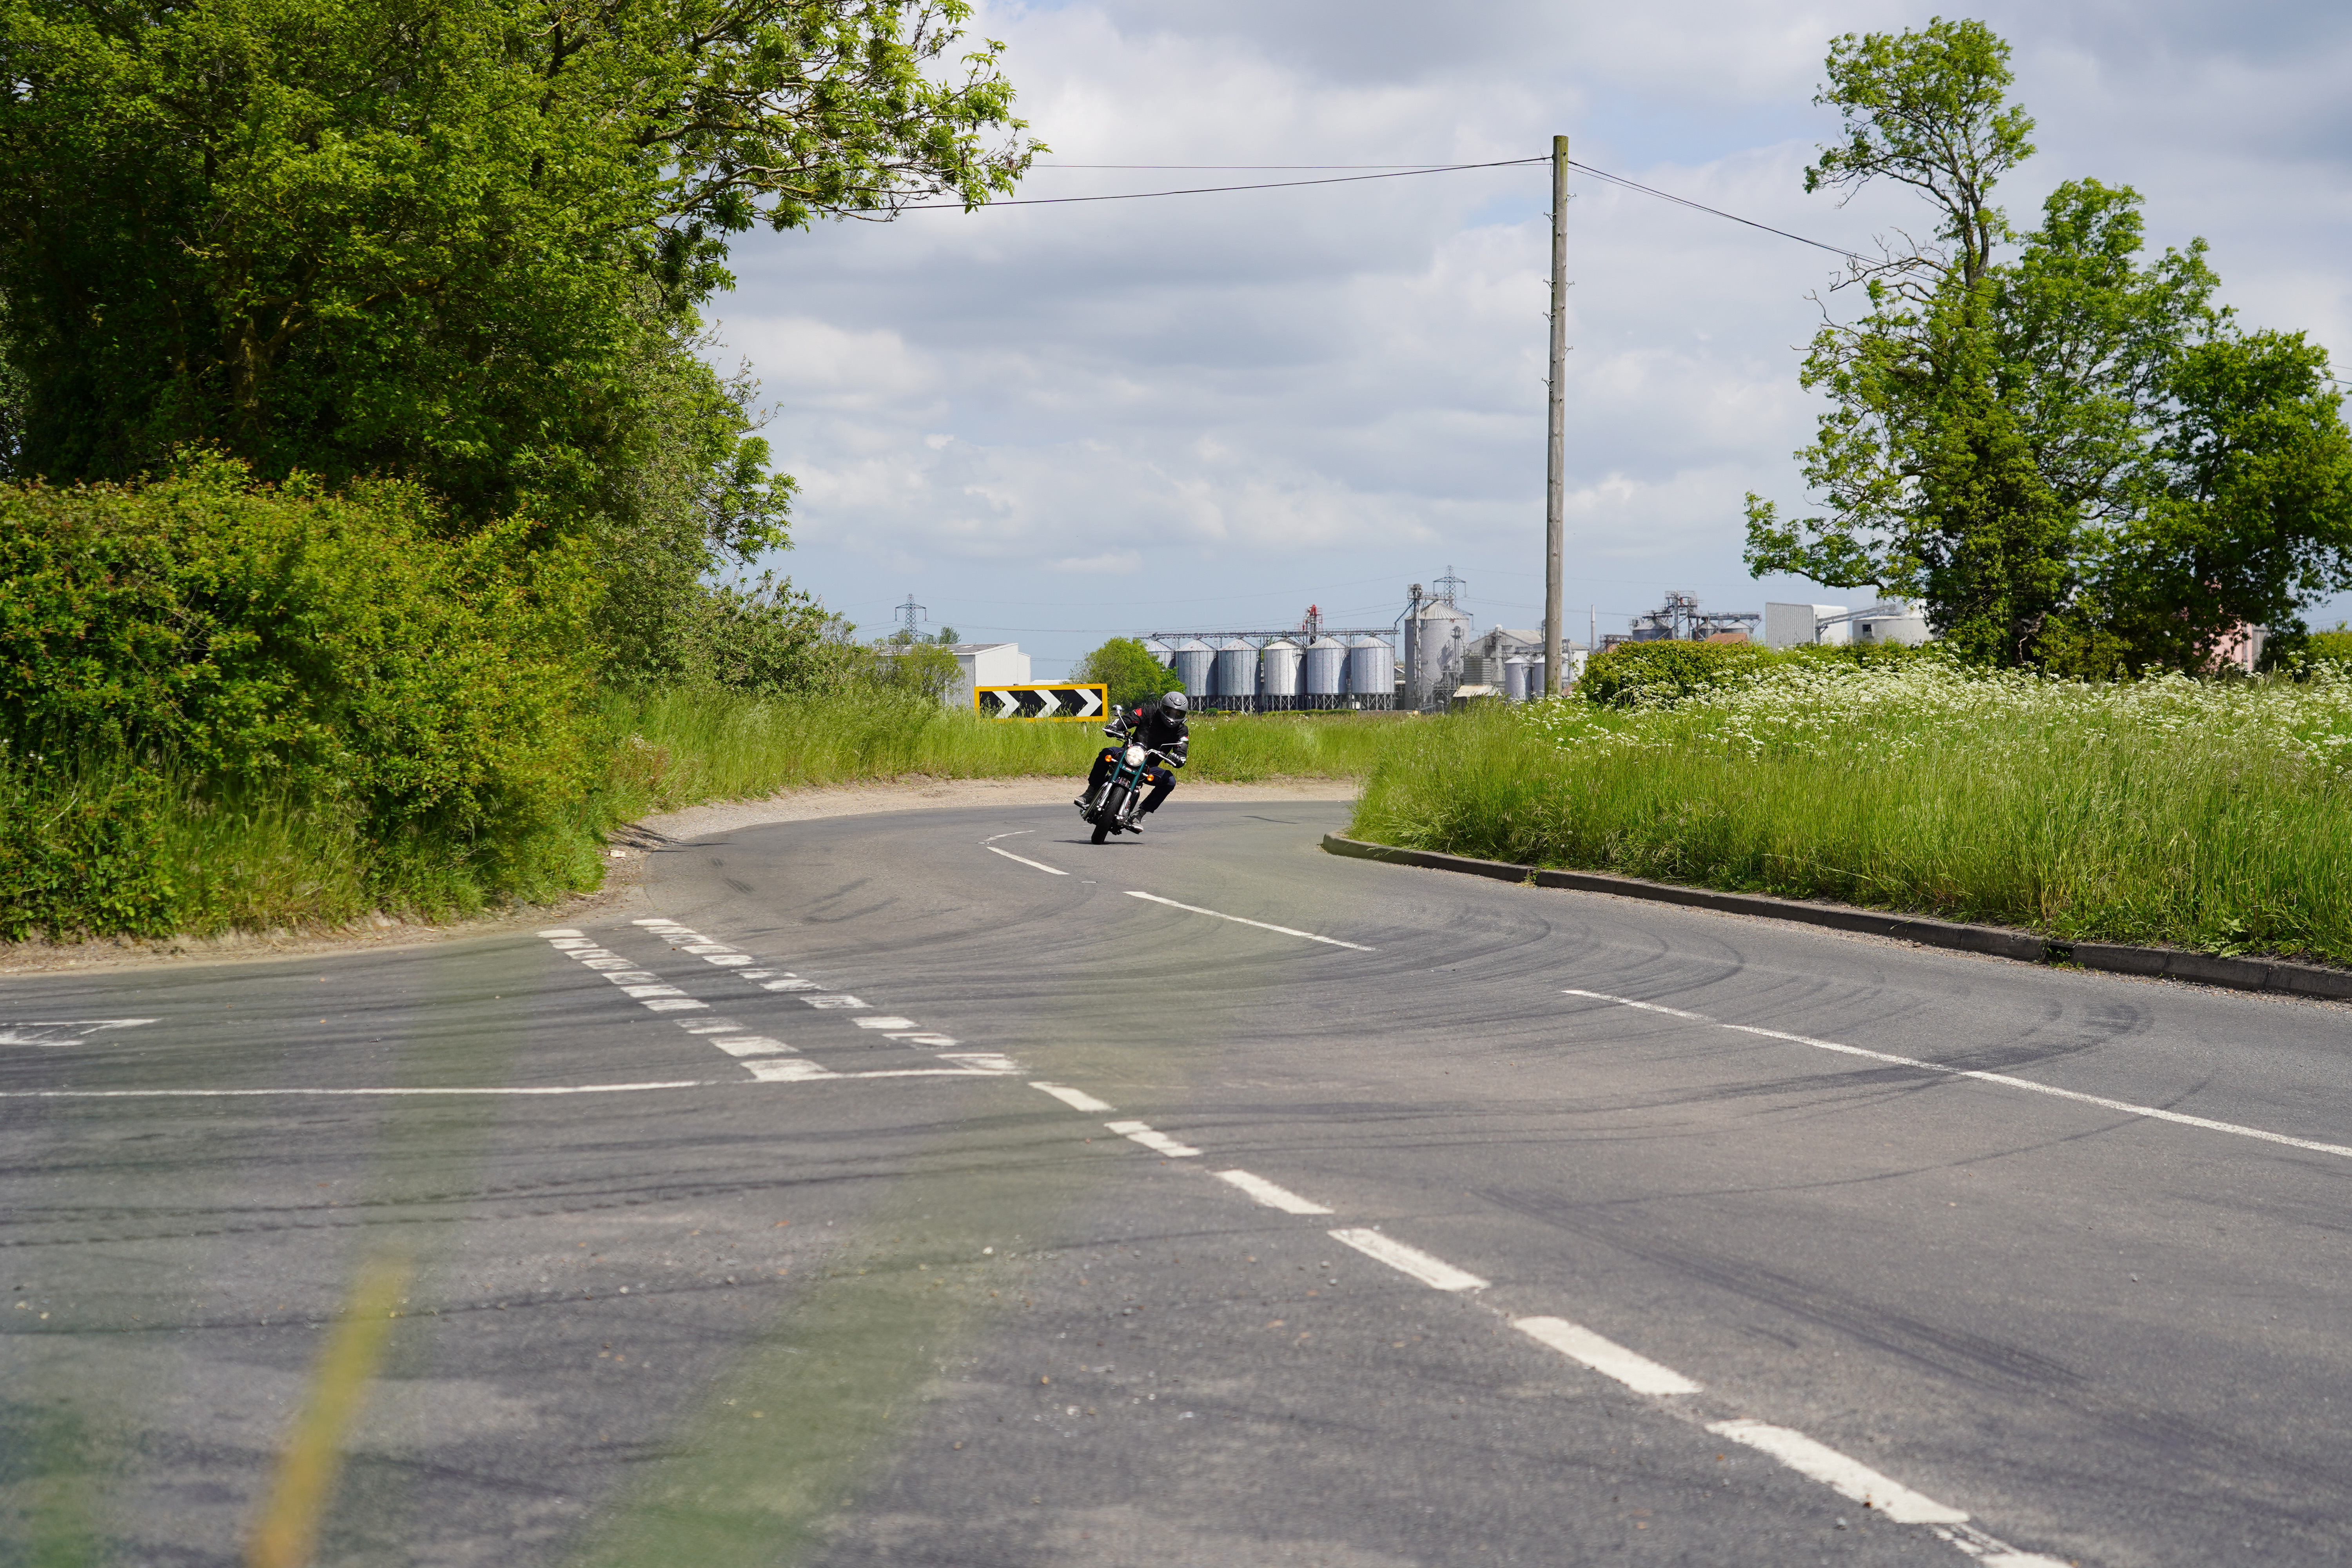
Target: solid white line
1157	1142
1848	1478
247	1093
1607	1357
1286	930
2004	1079
1434	1272
1076	1098
1269	1195
1040	865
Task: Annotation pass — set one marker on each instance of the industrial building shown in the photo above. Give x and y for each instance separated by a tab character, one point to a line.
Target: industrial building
1421	661
1888	621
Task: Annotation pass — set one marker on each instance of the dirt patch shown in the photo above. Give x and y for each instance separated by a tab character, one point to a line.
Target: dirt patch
624	872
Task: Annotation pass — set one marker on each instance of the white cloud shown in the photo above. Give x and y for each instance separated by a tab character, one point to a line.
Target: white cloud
1085	416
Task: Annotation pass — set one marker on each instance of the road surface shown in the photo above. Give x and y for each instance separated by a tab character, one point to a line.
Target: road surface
939	1188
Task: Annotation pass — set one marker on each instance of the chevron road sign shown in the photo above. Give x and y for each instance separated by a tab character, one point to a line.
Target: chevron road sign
1065	704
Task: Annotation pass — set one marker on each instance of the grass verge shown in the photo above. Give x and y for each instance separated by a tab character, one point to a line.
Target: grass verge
2216	816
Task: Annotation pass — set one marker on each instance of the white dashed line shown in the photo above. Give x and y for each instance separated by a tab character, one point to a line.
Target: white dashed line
787	1069
1607	1357
1158	1142
56	1032
1269	1195
1434	1272
1076	1098
1847	1477
750	1045
1237	920
883	1021
2004	1079
1039	865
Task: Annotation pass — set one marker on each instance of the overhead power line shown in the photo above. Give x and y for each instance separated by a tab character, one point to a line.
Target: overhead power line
1718	211
1384	172
1212	190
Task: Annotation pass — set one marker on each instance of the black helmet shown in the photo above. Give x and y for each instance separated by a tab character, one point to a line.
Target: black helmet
1176	703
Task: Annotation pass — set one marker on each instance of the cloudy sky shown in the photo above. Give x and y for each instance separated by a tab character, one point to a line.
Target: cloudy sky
1053	424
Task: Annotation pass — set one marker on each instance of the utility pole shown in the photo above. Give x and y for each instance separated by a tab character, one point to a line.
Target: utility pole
1556	478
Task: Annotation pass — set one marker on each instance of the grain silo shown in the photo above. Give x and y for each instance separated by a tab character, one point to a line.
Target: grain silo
1193	662
1516	671
1371	671
1327	671
1279	659
1238	677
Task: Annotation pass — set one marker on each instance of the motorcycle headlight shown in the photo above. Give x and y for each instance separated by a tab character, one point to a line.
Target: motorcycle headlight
1135	756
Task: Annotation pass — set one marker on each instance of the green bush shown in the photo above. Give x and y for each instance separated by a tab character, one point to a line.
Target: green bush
182	650
1663	673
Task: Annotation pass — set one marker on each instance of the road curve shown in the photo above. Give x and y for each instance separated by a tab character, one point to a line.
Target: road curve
941	1188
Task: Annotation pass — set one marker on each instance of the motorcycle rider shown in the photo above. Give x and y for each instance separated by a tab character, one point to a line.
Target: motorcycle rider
1160	724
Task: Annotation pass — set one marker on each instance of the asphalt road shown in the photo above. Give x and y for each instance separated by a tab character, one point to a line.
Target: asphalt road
907	1189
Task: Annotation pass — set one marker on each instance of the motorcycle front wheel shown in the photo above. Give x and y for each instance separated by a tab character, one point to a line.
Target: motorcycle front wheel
1114	801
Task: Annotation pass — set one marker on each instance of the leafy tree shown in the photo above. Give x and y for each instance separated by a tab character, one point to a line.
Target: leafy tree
461	242
1126	667
2006	439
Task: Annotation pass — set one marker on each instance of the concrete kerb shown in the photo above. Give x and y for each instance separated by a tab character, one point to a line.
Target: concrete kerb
1999	941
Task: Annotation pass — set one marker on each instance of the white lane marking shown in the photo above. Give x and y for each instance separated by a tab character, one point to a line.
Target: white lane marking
792	1070
788	982
1040	865
982	1061
1434	1272
671	1004
700	948
1269	1195
1262	925
56	1032
1847	1477
710	1025
729	960
881	1021
653	989
750	1045
654	921
839	999
1076	1098
1607	1357
2004	1079
930	1038
1158	1142
251	1093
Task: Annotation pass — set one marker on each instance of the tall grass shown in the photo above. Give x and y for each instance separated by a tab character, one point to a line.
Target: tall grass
111	847
674	748
2209	815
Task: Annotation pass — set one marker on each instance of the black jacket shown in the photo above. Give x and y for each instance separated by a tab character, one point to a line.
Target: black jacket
1150	724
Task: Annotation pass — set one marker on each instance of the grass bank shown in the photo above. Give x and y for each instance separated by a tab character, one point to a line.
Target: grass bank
2209	815
676	749
117	848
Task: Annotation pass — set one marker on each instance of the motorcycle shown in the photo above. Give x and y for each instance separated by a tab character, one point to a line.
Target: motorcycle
1114	808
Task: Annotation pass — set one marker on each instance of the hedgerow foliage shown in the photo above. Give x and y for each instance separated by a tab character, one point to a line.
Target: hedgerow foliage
206	644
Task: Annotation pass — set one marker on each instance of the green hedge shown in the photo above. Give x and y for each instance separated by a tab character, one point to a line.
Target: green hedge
1661	673
411	707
